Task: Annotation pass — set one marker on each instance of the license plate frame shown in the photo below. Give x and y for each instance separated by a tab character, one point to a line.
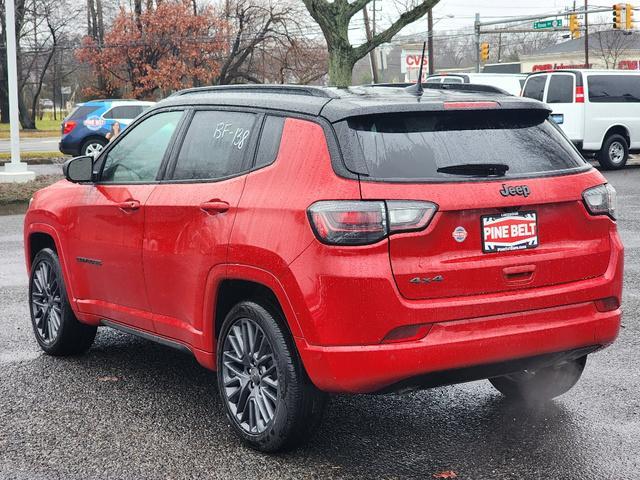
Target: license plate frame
524	237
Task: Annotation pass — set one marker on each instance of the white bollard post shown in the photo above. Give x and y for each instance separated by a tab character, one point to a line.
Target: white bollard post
15	171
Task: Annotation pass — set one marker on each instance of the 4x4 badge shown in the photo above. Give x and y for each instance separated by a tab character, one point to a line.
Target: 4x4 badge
521	190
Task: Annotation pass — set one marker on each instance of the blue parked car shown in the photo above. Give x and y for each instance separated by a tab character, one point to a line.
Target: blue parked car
90	125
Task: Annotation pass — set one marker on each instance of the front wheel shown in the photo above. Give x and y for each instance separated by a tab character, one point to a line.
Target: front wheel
614	153
55	326
536	386
268	398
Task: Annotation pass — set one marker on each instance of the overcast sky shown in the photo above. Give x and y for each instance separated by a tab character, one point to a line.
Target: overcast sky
464	11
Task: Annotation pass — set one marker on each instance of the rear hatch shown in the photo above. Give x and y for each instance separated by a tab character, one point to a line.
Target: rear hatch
508	186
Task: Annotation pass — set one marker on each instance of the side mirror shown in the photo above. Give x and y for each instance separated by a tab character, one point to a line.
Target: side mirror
79	169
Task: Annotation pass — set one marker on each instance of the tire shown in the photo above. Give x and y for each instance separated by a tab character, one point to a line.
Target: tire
93	147
614	153
266	417
56	328
538	386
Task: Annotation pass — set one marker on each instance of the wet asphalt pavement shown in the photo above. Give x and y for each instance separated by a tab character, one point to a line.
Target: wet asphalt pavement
133	409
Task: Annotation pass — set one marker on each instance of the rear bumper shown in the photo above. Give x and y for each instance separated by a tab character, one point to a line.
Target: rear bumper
464	345
69	147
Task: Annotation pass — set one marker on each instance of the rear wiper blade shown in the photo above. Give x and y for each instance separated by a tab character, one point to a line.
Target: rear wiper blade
476	169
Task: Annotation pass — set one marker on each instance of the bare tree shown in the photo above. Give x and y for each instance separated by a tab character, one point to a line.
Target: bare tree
611	46
253	24
334	18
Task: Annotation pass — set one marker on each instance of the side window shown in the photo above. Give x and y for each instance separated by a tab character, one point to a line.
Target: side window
138	155
216	145
452	80
560	89
124	112
614	88
534	88
269	141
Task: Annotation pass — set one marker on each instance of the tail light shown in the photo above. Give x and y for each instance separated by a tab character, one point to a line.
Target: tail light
366	222
68	126
580	94
601	200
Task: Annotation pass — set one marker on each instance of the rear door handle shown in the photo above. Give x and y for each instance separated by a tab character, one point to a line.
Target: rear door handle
214	207
129	205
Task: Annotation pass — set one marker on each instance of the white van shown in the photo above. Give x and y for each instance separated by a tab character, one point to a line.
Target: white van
599	110
509	82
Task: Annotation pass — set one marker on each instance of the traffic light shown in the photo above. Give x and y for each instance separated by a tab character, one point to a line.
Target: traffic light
484	51
617	16
574	26
629	17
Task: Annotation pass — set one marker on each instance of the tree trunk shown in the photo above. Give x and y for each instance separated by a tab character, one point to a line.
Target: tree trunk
340	68
27	122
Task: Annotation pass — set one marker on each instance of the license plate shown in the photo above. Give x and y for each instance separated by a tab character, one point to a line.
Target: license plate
509	231
558	118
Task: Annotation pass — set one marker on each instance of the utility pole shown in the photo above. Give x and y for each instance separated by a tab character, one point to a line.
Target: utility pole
15	171
586	34
476	26
430	41
372	53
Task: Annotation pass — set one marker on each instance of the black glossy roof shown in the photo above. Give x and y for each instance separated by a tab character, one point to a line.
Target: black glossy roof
335	104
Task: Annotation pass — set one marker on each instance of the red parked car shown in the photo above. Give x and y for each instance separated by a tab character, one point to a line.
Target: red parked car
305	240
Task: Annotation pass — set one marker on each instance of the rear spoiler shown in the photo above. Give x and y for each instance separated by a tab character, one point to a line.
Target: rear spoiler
460	87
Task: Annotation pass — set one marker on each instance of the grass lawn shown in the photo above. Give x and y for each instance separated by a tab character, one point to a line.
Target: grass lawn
34	157
47	127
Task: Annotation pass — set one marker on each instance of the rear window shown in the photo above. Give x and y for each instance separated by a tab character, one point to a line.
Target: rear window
560	89
535	87
415	146
83	111
614	88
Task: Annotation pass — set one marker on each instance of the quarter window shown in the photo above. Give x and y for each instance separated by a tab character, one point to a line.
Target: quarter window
138	155
534	87
269	141
217	145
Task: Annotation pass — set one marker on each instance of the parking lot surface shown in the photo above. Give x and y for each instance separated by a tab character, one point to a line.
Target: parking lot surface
134	409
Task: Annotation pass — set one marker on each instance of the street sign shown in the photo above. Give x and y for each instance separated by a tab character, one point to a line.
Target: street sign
542	24
65	90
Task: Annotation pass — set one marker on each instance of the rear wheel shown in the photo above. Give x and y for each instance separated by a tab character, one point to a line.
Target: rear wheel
269	400
614	153
93	147
536	386
56	328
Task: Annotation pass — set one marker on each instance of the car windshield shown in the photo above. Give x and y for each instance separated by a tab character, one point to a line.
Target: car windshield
415	146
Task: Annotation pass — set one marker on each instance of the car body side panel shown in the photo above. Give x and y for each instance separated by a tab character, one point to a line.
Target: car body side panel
182	244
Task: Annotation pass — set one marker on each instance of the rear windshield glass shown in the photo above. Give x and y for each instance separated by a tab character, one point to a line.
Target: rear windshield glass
560	89
535	87
81	112
415	146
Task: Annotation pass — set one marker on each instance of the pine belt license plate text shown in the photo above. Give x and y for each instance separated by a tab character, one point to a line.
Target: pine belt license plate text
509	231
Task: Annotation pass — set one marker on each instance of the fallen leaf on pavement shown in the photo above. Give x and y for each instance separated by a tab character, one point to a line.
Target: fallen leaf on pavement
447	474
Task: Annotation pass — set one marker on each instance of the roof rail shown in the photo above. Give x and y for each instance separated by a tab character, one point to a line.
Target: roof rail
260	88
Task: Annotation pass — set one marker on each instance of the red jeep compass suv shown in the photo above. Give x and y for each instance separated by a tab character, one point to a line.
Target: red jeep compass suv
305	240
